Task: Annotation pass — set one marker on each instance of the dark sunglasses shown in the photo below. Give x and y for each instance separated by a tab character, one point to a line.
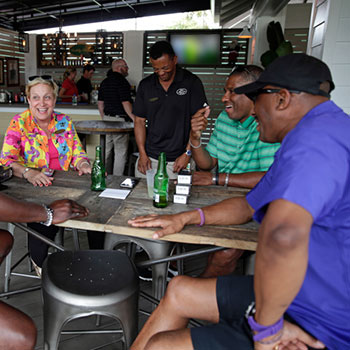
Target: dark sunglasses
45	77
254	95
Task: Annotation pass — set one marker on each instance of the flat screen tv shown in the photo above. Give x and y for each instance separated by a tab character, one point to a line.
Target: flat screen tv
196	49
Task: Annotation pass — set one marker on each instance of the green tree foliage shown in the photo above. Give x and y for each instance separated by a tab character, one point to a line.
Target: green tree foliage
193	20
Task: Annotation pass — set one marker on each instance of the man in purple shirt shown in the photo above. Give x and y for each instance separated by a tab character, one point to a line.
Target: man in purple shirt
301	287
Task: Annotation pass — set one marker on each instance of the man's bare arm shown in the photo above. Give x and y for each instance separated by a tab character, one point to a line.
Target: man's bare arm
128	109
281	259
13	210
228	212
200	155
245	180
101	106
140	136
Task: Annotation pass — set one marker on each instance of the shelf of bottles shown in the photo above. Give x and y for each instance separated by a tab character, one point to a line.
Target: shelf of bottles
76	49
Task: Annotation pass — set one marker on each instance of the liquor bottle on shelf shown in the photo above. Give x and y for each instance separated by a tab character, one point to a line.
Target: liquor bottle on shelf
74	100
94	96
98	172
161	183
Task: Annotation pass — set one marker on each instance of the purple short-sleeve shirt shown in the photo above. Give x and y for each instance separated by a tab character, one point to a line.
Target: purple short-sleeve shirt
312	169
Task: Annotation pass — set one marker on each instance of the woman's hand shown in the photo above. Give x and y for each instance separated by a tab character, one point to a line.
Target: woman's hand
83	167
38	178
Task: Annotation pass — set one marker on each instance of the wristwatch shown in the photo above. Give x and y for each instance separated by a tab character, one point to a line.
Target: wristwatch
188	153
49	213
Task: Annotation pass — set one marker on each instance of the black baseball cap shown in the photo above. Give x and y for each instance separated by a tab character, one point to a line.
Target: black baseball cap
299	72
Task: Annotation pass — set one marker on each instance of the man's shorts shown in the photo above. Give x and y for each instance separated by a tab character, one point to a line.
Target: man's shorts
234	294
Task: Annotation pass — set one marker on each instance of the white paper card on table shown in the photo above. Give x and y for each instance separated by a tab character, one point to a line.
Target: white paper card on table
114	193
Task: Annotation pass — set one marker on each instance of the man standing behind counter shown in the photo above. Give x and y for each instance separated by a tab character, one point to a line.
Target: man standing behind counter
167	99
84	83
114	104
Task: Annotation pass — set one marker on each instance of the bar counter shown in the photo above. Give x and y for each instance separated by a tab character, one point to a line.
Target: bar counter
79	112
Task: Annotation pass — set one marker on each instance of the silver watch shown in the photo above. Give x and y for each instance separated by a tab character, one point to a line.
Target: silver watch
49	213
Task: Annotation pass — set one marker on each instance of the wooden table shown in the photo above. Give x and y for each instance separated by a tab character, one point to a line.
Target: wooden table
111	215
102	128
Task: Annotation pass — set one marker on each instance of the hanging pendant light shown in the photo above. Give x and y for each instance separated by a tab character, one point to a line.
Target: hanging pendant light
23	42
23	39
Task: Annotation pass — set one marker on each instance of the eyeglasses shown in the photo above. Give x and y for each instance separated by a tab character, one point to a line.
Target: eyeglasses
254	95
45	77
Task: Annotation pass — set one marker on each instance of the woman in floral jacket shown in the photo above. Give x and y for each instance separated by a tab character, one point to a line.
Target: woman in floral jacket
40	139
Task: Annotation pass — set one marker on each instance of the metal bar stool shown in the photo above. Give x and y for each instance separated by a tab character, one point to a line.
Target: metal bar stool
155	249
90	282
10	269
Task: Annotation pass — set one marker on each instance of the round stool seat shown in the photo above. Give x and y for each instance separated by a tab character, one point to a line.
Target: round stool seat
83	274
84	283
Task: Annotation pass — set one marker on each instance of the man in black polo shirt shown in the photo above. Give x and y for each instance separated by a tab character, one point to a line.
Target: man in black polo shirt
84	83
114	104
167	99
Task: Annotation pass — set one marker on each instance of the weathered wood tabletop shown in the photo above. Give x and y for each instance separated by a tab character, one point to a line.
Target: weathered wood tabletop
111	215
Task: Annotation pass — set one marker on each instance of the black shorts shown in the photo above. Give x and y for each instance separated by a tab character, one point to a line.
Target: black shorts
233	294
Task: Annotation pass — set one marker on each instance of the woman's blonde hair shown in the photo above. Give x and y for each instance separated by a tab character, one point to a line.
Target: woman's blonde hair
68	72
39	80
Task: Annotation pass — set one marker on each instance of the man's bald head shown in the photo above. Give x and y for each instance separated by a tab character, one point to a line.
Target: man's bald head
120	66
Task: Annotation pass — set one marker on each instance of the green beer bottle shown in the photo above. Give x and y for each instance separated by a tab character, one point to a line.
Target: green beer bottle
98	172
161	183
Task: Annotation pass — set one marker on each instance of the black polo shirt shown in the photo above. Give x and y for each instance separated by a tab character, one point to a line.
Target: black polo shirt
114	90
84	85
169	113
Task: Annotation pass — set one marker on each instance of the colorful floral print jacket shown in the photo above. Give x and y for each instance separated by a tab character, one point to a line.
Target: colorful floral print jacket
27	144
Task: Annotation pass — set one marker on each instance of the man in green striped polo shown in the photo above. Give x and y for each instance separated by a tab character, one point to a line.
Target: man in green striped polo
234	147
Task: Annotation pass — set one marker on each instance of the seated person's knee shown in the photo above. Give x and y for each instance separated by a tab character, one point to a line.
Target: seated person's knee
174	288
6	243
18	331
27	339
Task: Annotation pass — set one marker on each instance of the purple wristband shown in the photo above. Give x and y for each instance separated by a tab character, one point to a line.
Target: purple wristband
264	331
202	217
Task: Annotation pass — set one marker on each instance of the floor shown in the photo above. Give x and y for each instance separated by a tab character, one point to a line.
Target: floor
30	302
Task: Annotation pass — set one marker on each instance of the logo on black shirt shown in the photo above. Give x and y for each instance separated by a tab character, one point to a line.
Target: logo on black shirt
181	91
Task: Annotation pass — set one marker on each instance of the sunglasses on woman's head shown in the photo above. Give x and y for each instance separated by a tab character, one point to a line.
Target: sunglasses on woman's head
45	77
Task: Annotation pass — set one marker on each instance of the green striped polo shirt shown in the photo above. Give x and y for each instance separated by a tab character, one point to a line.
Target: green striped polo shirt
237	147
